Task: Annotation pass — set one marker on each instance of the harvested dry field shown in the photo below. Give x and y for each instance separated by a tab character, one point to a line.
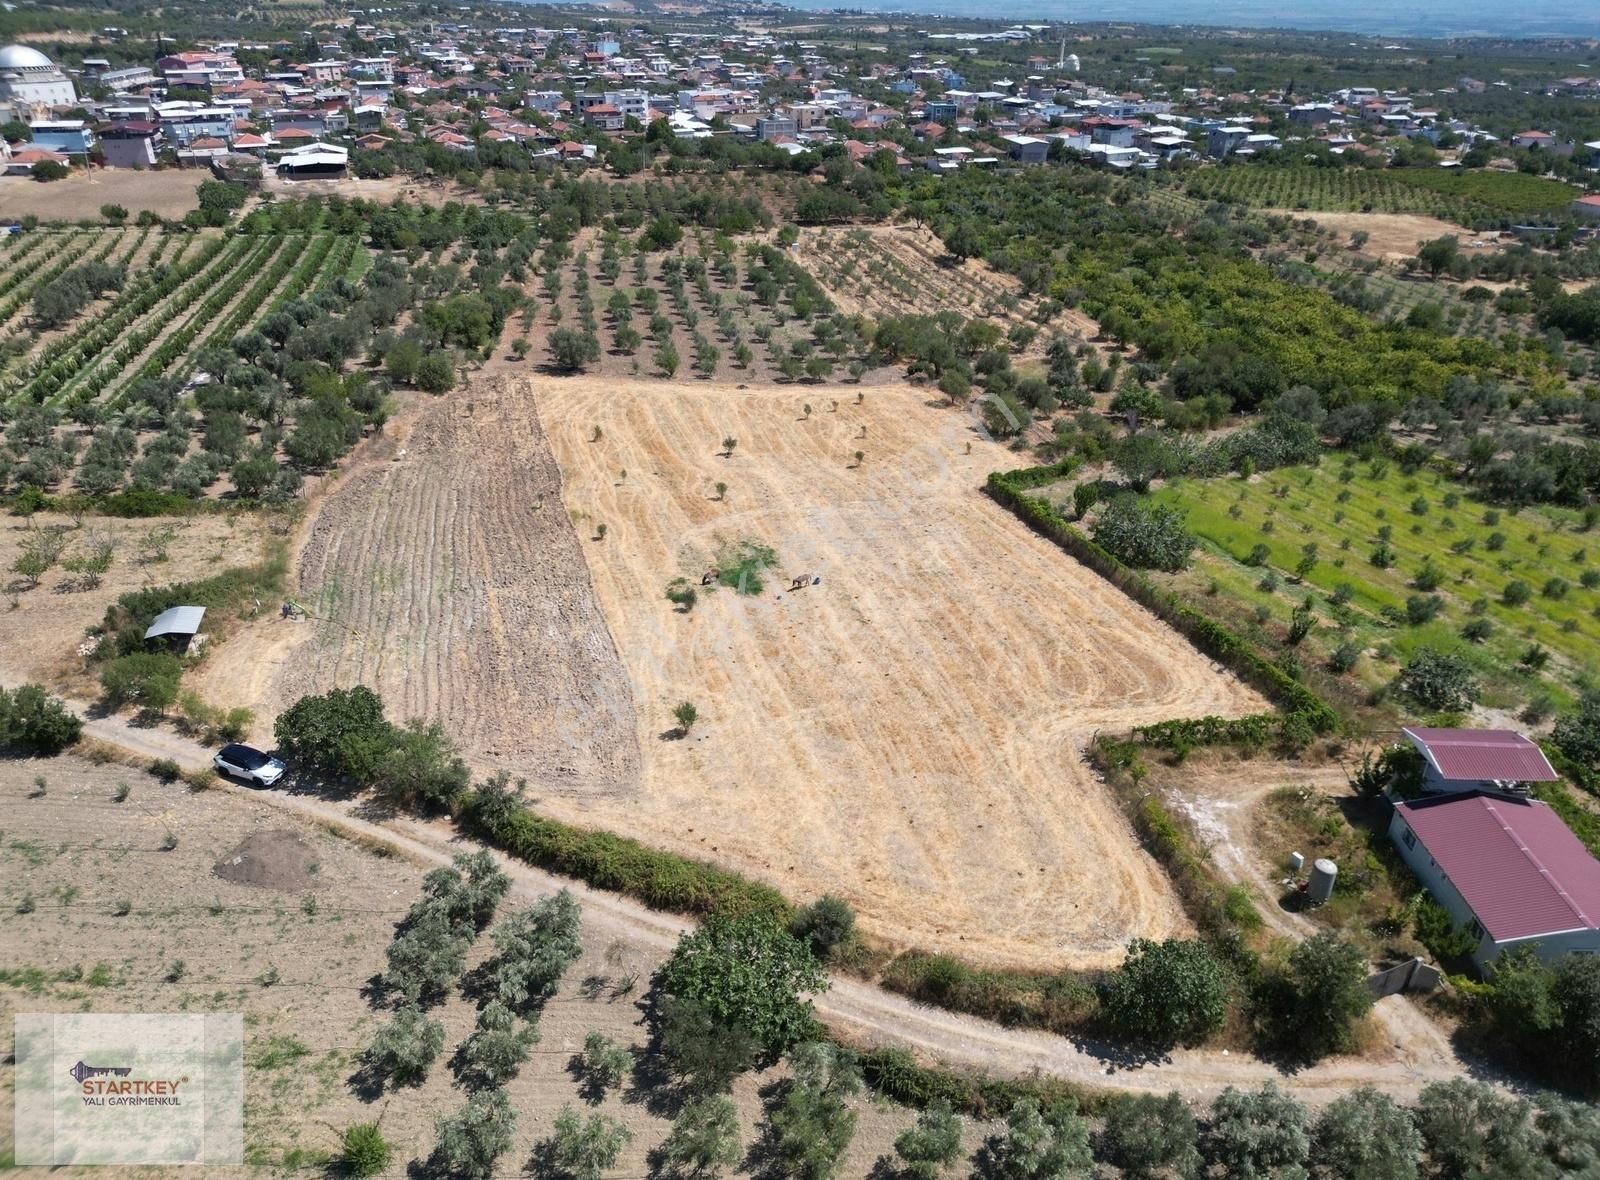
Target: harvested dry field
908	732
170	193
1393	235
448	579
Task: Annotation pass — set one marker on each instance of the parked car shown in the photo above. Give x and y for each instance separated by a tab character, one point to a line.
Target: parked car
247	762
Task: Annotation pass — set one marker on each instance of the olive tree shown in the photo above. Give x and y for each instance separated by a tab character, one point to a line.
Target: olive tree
1143	535
1146	1136
584	1148
1364	1135
498	1046
1040	1144
468	1142
812	1125
603	1063
1258	1135
535	947
933	1143
704	1137
404	1048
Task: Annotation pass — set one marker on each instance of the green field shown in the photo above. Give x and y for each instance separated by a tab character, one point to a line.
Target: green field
1475	550
1473	197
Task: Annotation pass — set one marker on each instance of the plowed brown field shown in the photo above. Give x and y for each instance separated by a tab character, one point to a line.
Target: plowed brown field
448	579
908	733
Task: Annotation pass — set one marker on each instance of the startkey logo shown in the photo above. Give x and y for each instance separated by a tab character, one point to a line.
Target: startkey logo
113	1085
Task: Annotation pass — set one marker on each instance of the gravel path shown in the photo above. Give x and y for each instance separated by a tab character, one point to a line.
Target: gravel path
1421	1054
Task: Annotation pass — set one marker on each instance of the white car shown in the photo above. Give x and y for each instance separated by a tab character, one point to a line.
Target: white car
247	762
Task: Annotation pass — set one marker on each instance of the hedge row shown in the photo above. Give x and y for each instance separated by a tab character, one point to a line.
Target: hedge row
1061	1003
662	880
1215	640
895	1074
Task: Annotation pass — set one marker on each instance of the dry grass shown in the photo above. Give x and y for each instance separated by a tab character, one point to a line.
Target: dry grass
170	193
41	628
77	852
908	733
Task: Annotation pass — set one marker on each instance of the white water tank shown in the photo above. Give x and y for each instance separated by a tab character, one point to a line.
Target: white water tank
1296	862
1323	875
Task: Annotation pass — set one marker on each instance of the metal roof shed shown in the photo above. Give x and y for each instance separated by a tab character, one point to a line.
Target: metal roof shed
176	620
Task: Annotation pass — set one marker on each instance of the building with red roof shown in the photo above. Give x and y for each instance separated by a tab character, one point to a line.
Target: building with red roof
1478	759
1506	869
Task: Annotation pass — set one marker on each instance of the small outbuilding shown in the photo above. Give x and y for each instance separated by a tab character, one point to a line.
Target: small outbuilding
1456	760
175	627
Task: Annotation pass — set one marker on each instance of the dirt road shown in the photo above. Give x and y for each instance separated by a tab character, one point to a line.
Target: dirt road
1420	1054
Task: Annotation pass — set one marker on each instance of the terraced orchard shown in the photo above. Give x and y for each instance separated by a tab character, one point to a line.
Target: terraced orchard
904	270
1376	564
706	307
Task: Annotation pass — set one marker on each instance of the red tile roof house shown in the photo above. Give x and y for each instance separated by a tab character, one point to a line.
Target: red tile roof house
1506	870
1457	760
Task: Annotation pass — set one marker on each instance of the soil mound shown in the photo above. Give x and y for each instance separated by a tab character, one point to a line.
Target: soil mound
270	860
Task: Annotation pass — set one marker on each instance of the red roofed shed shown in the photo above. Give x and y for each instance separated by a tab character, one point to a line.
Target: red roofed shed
1478	759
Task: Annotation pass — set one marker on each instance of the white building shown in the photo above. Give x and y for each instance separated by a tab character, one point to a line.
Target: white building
634	103
29	78
1506	870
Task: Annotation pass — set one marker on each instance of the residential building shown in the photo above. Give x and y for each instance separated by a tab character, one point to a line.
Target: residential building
772	126
1506	870
373	67
318	72
133	144
70	137
201	68
1533	139
633	104
1587	208
603	117
1027	149
132	78
182	122
1223	141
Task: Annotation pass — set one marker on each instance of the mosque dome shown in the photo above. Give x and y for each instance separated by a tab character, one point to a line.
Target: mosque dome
23	57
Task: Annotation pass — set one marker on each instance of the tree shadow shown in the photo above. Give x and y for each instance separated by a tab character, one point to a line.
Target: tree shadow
590	1087
1119	1058
369	1083
541	1160
375	990
653	1086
